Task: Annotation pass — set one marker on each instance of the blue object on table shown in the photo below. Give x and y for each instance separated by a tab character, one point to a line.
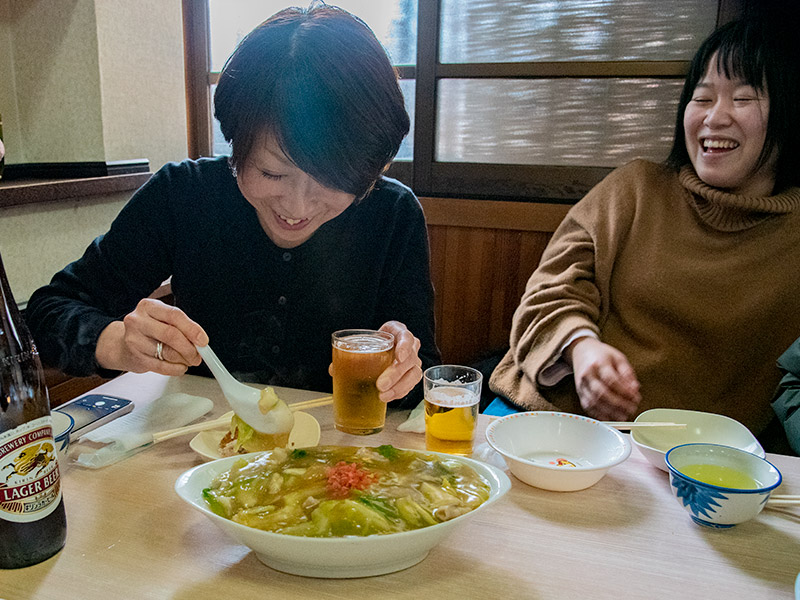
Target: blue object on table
499	407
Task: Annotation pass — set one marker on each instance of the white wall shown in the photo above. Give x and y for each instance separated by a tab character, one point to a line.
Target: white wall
57	80
92	80
8	87
140	45
84	80
39	239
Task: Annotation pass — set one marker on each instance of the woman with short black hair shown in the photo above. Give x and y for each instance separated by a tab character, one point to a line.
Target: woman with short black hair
269	251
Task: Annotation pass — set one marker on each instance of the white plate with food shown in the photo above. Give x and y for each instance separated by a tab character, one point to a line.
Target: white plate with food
304	434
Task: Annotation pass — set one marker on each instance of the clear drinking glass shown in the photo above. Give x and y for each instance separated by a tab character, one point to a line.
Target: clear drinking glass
359	357
452	395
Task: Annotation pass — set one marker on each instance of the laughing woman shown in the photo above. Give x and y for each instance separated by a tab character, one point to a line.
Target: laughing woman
295	235
677	285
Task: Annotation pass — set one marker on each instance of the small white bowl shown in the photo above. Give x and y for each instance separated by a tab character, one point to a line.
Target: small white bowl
715	502
701	427
557	451
62	428
335	557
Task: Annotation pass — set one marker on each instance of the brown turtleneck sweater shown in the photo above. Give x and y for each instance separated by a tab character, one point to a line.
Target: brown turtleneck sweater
699	288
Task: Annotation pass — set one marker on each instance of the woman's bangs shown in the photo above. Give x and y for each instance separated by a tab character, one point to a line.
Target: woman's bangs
738	63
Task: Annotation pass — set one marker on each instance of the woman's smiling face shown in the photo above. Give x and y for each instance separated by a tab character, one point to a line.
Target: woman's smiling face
291	205
726	126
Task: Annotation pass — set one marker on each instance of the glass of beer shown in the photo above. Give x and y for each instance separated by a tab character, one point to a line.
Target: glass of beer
452	395
359	357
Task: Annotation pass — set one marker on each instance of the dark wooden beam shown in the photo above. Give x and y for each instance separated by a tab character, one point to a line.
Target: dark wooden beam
196	44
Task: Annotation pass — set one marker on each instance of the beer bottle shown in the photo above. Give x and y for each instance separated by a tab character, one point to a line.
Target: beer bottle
33	525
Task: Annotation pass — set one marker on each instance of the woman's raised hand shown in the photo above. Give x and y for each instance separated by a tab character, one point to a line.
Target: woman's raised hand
154	337
406	369
604	379
404	373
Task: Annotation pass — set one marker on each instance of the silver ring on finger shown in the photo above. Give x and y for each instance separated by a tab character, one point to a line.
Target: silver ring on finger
159	351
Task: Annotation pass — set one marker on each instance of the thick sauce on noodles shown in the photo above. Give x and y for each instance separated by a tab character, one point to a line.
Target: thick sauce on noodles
334	491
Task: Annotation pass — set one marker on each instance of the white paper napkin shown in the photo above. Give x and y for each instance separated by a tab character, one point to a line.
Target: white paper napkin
415	423
133	432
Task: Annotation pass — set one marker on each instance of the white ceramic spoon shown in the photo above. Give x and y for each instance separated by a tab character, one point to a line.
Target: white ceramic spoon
244	400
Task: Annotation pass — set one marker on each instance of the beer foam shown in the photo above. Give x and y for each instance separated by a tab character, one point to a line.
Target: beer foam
451	396
365	344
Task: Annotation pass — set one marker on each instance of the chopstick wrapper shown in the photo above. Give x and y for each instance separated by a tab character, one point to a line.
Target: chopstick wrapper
133	433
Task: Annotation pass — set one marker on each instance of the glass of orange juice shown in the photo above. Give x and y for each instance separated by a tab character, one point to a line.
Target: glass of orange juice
452	395
359	357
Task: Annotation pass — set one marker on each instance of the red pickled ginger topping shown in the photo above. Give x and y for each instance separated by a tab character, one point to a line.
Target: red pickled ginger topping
345	476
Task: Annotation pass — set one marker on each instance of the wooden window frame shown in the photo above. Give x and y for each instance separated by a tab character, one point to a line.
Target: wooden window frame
428	177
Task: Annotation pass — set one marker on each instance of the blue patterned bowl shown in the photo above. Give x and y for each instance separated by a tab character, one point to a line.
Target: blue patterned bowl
720	486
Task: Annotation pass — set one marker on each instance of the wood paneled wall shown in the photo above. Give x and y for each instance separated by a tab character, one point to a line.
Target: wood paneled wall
482	254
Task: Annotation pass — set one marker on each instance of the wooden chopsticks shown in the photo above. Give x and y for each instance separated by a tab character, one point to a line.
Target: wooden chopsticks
638	424
219	423
628	424
324	401
783	500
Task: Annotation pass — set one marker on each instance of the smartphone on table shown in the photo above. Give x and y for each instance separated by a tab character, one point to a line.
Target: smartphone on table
92	411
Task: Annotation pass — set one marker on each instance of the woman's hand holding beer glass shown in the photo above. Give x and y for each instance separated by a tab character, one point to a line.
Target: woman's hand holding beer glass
406	370
369	369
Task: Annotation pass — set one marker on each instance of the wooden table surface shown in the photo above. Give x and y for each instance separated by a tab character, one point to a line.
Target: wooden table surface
131	537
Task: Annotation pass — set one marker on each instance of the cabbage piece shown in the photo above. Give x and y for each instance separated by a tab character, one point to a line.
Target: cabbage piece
274	483
244	433
413	514
247	491
349	517
381	505
318	526
248	439
307	529
445	513
437	495
270	520
337	518
298	497
218	503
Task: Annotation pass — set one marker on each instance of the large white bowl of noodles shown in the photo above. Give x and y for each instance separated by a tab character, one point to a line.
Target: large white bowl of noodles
336	557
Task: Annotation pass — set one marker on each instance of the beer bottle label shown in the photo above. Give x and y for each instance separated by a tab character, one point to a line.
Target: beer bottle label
30	485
